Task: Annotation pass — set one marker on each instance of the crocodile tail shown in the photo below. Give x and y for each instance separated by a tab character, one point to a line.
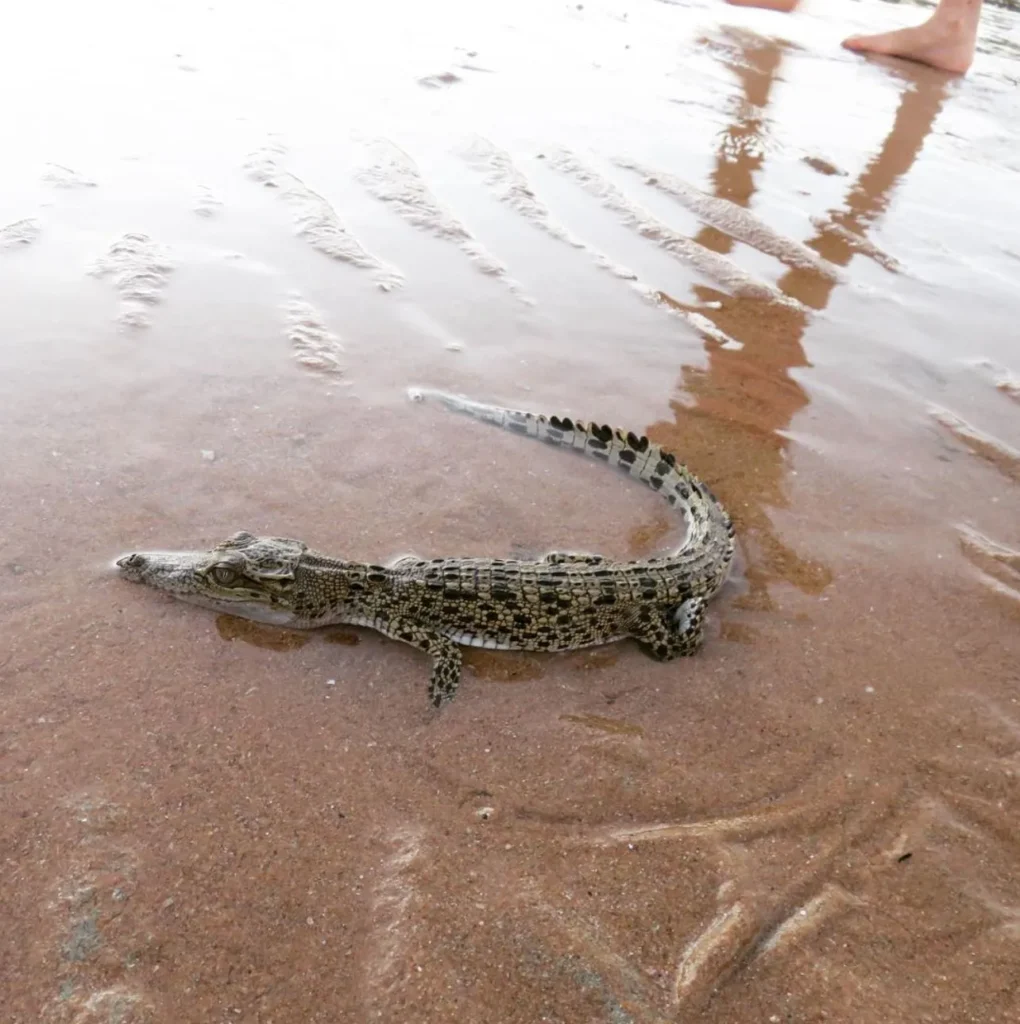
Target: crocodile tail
630	453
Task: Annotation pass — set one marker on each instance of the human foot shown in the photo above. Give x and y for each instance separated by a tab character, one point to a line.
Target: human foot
770	5
945	41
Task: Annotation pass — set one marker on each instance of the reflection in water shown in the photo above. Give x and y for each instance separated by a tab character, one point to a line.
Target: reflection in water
344	637
504	667
273	638
745	398
521	666
602	724
742	145
278	638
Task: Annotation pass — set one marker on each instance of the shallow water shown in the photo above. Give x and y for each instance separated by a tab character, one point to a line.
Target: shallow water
232	236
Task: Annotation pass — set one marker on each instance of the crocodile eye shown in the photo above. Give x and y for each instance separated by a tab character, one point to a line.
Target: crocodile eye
223	576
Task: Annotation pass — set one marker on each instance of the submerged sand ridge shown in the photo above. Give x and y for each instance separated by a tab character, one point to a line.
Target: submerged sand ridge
810	820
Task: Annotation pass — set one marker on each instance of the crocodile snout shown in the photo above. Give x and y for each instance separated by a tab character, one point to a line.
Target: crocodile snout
133	567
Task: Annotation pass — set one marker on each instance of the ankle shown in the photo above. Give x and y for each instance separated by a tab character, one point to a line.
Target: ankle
959	18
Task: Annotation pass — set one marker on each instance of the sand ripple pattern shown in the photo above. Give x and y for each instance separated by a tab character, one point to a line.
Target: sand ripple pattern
733	220
998	453
859	833
510	186
139	268
998	565
316	220
395	903
19	233
686	250
1005	380
206	203
858	243
394	179
315	346
60	176
1009	385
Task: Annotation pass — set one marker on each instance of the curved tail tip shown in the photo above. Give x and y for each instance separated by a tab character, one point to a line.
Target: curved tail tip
420	394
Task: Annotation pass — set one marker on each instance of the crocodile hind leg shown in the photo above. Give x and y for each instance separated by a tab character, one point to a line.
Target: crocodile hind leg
575	557
445	655
676	633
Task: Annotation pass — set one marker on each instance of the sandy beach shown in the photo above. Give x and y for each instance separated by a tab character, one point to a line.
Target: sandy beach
232	236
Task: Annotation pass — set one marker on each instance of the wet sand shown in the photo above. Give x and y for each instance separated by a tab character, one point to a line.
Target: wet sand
231	239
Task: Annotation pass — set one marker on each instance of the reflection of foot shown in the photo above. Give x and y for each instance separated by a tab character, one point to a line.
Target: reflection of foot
945	41
769	5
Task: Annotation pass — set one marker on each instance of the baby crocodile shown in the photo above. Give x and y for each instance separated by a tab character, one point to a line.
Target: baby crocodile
564	601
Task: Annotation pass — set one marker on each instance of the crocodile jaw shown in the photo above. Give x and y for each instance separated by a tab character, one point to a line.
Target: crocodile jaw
180	574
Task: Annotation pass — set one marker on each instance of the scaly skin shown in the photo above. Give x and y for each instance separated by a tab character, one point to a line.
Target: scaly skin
561	602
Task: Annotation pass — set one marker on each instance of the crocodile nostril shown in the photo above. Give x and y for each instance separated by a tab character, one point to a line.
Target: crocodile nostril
131	561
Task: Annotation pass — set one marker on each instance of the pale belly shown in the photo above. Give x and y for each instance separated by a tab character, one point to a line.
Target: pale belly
467	638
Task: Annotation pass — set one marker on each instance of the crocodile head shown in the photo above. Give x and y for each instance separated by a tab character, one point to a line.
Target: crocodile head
248	576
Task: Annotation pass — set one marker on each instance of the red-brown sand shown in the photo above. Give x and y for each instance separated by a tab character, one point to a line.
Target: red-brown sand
814	819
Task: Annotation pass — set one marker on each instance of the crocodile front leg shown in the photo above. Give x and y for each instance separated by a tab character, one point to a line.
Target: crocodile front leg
445	655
